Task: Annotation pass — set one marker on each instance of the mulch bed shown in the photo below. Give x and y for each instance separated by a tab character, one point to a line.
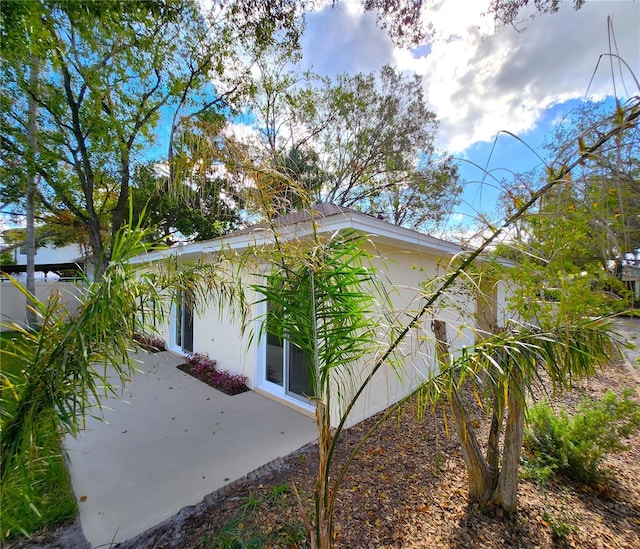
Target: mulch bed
408	489
205	378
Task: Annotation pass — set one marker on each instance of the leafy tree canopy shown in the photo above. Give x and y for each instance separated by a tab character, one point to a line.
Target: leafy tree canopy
108	74
363	141
582	232
405	19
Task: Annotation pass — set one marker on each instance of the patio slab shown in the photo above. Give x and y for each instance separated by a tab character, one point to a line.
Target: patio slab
167	443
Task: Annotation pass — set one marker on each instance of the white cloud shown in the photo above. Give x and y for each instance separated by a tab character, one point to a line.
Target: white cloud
480	85
244	133
480	79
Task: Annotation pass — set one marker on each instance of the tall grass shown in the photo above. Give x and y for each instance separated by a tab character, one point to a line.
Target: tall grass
43	497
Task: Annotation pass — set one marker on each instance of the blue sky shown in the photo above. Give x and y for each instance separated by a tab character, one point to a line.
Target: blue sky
482	80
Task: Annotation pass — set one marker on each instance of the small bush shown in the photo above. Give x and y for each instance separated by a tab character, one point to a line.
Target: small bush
561	525
576	446
201	363
229	383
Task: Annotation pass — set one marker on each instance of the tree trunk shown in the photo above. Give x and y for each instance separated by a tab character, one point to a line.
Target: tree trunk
97	247
482	478
119	212
506	494
493	443
31	182
322	537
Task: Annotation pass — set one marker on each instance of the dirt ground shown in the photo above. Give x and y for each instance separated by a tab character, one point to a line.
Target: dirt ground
408	489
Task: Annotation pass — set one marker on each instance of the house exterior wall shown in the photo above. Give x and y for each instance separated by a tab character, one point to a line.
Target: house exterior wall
415	357
223	341
220	336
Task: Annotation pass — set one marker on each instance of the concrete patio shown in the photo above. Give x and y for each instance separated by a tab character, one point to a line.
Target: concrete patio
167	443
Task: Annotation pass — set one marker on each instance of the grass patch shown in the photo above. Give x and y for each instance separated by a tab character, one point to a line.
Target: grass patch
249	529
39	496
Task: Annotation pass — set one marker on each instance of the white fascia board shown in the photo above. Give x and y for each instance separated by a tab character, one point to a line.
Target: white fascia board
396	235
374	228
379	230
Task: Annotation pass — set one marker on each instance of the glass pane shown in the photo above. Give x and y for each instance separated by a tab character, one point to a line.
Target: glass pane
275	362
188	326
300	379
178	334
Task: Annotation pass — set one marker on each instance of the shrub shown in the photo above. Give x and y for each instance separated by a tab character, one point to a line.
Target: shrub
205	368
201	363
561	525
150	343
576	446
229	383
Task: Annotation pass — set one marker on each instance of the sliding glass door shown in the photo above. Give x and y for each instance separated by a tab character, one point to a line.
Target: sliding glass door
285	370
182	329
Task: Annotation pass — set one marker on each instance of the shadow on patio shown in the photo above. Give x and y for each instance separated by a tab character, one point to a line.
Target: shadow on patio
169	441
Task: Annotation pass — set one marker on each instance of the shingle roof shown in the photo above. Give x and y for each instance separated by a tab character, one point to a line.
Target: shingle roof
318	211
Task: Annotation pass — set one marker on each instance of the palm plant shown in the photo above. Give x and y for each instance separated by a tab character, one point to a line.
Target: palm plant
76	359
322	300
502	371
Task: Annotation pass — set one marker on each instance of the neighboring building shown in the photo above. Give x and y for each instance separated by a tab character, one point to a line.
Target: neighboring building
630	274
50	261
55	271
407	259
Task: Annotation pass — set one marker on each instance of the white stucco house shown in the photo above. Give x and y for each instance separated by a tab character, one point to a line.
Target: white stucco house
408	259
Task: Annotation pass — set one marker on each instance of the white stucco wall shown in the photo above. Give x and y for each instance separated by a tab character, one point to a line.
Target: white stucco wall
414	358
13	302
222	340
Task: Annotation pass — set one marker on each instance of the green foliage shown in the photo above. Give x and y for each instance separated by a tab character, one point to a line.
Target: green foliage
6	258
39	494
576	446
574	243
191	209
232	536
320	295
103	74
560	524
318	299
242	531
64	365
548	297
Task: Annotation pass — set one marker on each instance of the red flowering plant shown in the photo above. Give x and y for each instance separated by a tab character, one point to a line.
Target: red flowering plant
202	367
150	343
